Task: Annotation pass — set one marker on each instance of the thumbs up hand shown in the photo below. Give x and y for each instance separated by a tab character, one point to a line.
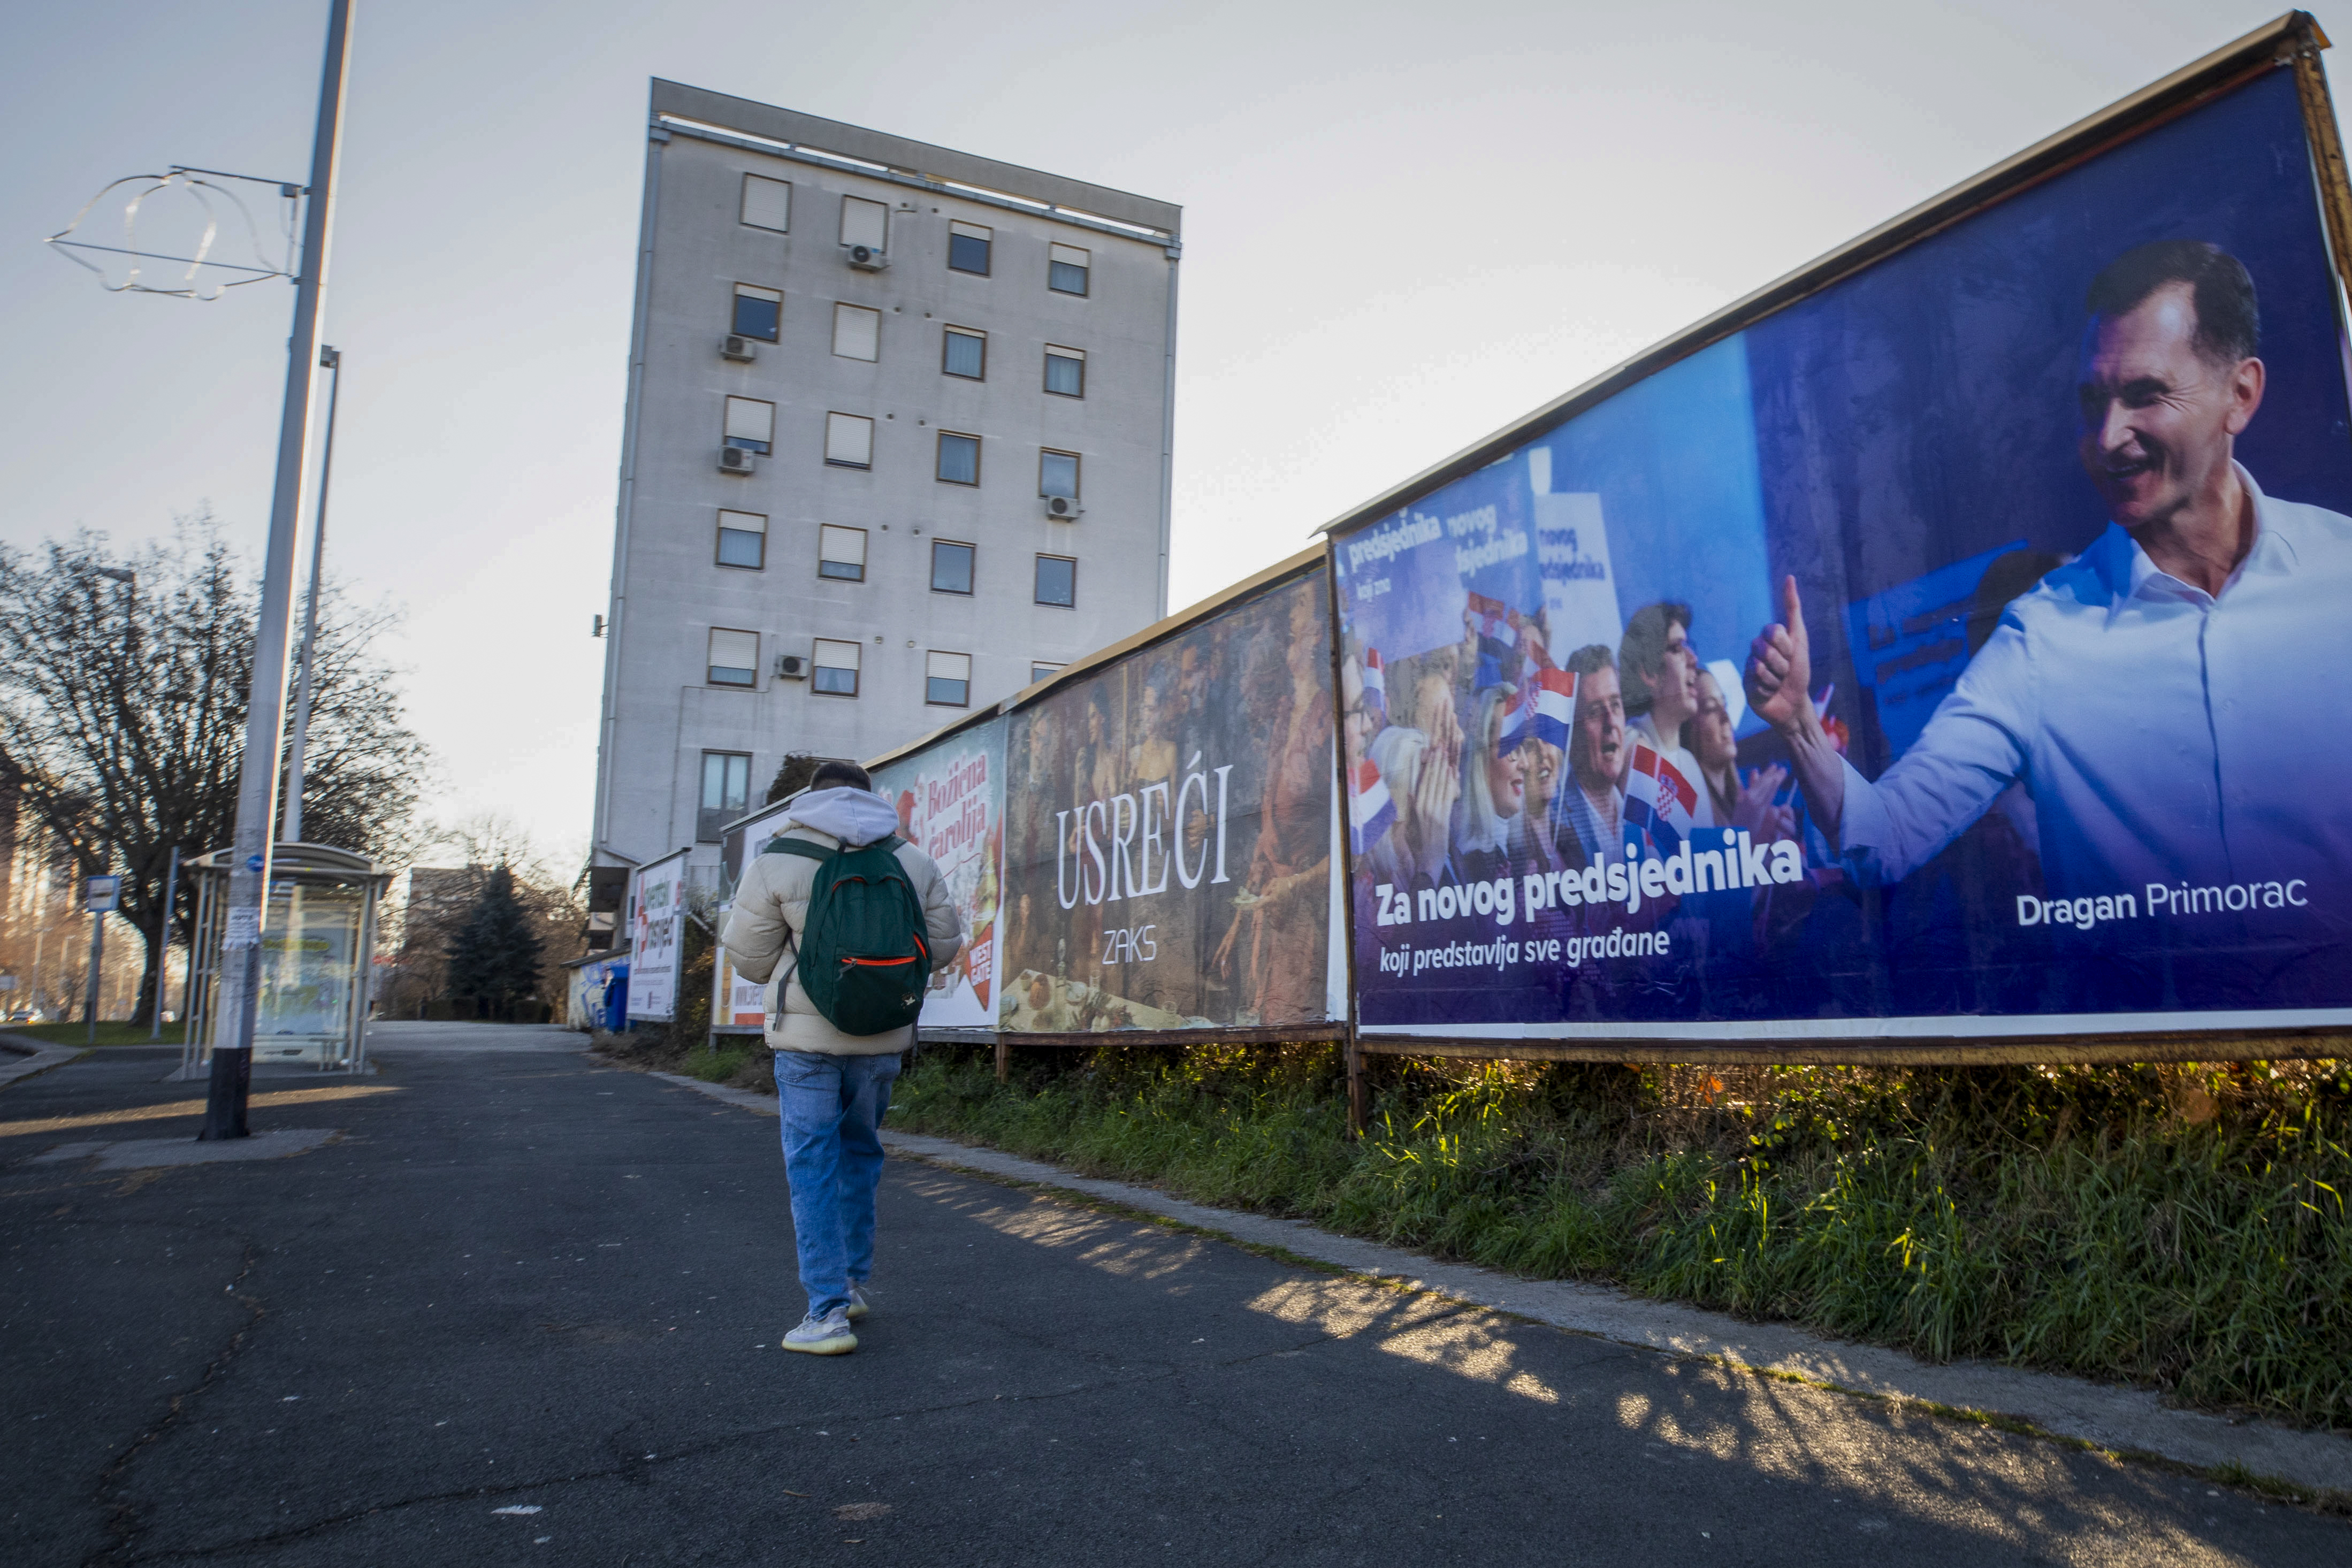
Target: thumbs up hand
1780	666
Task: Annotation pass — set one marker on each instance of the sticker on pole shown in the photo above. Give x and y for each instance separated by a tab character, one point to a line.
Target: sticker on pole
243	929
102	895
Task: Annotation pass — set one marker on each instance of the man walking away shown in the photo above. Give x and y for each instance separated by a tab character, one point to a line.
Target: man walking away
883	923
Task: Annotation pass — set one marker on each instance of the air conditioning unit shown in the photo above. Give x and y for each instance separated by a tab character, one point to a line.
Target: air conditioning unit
864	257
791	667
1062	509
736	347
735	460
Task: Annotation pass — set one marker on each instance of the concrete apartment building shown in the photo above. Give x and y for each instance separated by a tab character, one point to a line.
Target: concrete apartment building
897	443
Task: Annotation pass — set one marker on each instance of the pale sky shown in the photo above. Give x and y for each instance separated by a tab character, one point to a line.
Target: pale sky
1405	224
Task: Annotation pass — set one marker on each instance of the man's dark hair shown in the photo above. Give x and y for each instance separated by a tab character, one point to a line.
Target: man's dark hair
2229	320
835	774
1643	649
1590	657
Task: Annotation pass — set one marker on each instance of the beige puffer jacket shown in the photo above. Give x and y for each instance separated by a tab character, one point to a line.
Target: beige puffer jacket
772	903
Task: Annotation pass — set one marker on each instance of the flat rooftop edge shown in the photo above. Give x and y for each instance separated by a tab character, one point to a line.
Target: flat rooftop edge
902	155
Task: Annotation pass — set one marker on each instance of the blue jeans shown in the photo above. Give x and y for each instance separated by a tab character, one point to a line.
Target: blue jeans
833	1108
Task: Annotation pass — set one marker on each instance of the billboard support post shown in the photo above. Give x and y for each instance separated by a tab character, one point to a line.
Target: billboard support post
265	721
1352	1053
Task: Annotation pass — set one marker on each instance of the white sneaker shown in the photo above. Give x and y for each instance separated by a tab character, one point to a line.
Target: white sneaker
827	1335
858	1305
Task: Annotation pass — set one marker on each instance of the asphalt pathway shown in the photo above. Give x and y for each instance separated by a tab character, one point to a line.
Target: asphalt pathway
524	1309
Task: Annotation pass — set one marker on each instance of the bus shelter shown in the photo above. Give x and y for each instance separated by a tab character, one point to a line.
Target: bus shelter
318	931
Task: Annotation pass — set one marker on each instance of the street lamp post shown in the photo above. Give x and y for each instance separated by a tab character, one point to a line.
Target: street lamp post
256	794
163	940
130	582
330	361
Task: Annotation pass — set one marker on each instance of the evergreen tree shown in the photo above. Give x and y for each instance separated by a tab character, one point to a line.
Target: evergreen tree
494	957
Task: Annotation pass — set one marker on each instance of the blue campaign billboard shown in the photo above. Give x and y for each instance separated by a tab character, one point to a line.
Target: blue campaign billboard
1958	650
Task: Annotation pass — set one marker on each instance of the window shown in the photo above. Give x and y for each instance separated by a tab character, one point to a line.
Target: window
836	668
751	424
865	223
726	792
1057	473
767	204
965	353
857	332
849	441
1038	671
734	657
757	311
968	248
841	553
1065	269
959	458
742	540
951	567
1057	581
947	680
1066	372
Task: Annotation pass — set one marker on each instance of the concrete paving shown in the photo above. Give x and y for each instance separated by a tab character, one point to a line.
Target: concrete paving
522	1280
23	1055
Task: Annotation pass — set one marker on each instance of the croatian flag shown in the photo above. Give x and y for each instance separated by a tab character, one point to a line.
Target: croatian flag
1370	811
1658	798
1493	618
1376	683
1544	710
1498	639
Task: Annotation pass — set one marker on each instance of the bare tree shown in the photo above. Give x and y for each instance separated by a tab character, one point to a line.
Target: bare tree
123	713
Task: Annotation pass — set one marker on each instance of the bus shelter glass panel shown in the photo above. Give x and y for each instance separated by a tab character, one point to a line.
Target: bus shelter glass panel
310	968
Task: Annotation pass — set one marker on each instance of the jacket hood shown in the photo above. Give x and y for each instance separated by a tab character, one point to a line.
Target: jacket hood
855	817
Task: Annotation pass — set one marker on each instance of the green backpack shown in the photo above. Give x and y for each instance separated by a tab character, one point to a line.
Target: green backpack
863	960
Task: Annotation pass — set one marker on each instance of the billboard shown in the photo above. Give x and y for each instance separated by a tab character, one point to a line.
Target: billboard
656	938
1168	854
1951	650
950	800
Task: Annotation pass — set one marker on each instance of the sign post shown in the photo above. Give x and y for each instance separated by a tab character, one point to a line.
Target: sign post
102	895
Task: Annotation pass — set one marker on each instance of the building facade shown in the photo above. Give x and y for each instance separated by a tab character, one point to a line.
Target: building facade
898	441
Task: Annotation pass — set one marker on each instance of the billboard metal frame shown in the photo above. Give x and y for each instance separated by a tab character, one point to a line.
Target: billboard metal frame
2291	41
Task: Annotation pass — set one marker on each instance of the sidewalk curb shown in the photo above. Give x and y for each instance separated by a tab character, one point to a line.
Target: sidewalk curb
28	1056
2126	1422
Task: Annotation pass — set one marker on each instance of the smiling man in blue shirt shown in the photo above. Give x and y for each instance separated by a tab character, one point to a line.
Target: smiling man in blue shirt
2169	698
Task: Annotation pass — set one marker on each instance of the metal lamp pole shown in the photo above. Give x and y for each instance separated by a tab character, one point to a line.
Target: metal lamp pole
256	791
130	582
332	360
163	942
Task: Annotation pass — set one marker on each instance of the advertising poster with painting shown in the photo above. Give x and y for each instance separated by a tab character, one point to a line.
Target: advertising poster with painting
1955	650
1170	848
949	797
